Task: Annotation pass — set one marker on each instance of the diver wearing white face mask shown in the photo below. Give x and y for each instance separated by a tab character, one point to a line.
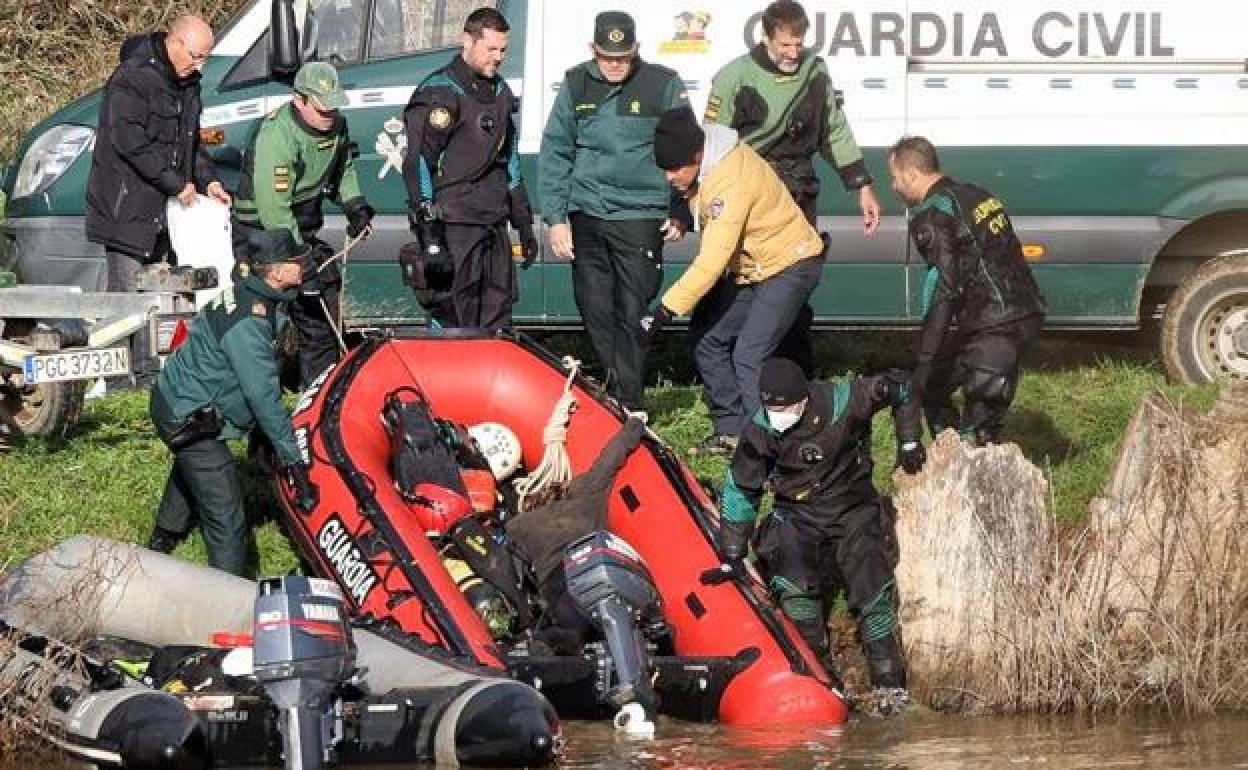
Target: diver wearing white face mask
812	443
784	417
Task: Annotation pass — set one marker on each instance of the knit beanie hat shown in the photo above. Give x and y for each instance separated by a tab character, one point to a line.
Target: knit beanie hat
781	383
677	139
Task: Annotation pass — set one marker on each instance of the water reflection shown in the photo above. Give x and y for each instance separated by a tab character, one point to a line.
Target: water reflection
927	742
921	742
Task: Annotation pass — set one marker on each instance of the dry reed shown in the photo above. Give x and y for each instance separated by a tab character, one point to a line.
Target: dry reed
1144	607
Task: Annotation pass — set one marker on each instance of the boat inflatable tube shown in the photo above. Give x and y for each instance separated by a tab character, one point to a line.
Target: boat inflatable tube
420	703
129	726
722	621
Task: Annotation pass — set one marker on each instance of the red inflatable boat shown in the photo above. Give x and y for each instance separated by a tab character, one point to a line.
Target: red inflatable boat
735	658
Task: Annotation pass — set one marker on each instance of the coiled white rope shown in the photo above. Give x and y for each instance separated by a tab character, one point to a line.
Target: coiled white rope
555	467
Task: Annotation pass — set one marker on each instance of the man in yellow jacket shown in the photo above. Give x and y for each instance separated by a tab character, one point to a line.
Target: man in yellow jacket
754	232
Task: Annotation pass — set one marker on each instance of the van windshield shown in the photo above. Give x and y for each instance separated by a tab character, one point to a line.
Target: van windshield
340	29
410	26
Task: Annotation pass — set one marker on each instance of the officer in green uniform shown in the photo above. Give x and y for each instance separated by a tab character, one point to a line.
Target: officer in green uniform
781	101
606	202
219	383
300	155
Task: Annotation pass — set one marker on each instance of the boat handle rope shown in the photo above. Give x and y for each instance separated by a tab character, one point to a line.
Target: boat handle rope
335	319
555	467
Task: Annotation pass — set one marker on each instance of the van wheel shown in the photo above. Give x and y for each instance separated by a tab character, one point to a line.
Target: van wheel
50	410
1204	335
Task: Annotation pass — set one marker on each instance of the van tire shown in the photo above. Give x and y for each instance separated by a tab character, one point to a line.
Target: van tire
1204	335
50	410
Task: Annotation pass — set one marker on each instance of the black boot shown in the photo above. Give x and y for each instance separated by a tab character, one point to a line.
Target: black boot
162	540
885	664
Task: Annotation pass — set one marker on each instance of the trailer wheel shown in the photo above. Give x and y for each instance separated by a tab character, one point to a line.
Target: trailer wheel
50	410
1204	335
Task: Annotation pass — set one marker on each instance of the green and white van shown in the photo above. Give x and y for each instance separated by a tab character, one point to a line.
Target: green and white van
1114	131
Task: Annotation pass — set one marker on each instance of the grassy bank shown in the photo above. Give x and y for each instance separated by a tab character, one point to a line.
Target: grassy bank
1073	404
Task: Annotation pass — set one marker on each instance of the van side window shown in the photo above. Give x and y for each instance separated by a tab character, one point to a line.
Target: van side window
340	29
253	67
410	26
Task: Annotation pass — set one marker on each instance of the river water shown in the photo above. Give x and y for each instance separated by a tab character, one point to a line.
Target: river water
919	741
930	742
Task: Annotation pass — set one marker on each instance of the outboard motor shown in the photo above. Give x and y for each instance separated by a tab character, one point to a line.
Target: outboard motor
303	652
610	584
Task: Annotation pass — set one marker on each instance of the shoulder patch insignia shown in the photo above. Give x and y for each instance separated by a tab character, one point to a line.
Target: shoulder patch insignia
715	208
325	144
712	108
440	118
258	309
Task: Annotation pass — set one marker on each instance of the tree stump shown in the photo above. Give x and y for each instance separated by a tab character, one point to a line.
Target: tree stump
974	535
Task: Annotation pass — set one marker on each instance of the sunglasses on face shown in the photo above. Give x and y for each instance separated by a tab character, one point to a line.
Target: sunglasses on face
196	56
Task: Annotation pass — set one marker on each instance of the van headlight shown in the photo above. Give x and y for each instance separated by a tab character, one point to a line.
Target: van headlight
49	156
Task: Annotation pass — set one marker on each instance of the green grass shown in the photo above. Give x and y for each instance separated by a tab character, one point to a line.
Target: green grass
1073	404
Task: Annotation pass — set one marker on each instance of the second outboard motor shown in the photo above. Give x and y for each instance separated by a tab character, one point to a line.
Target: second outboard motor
303	652
610	584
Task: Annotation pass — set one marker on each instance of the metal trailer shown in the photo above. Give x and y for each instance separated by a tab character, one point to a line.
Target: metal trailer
55	339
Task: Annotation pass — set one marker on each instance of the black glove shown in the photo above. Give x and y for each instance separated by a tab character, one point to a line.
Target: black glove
911	456
651	323
430	230
734	539
521	218
318	271
307	495
359	216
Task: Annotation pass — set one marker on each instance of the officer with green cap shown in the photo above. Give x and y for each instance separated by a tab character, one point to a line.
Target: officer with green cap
216	386
607	204
300	155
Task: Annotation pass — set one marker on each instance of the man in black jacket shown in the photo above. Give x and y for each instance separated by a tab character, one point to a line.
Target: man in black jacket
976	277
147	149
462	172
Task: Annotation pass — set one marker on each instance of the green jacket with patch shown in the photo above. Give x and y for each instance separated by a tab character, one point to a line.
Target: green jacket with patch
229	361
787	118
288	171
597	152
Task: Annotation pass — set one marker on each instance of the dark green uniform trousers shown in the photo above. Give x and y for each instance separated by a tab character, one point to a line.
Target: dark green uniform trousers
204	484
616	275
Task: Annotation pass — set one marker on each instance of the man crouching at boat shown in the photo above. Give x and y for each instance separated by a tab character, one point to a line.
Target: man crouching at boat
219	383
813	443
